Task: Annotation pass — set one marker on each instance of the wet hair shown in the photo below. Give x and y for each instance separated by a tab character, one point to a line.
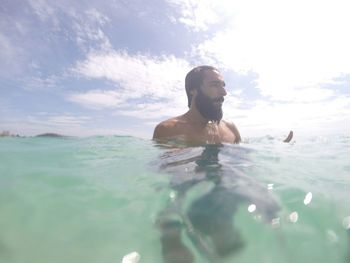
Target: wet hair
194	79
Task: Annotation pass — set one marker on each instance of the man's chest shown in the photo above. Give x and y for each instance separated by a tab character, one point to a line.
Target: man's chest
212	133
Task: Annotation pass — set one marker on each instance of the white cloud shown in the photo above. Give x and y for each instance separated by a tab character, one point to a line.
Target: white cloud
68	120
304	117
157	79
42	9
154	110
87	27
197	15
6	48
40	83
11	56
292	47
46	11
5	107
97	16
66	124
85	23
97	99
56	121
298	50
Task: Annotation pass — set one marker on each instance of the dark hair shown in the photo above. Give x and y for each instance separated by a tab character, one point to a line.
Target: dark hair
194	80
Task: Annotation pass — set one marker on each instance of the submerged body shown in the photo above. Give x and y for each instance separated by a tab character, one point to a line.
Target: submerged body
209	220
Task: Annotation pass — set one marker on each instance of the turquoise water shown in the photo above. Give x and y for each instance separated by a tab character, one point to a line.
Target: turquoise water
97	199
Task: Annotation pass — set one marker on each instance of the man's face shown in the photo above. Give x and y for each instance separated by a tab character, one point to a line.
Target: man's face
210	96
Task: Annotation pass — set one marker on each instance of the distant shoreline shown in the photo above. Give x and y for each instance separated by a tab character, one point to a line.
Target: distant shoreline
51	134
47	134
8	134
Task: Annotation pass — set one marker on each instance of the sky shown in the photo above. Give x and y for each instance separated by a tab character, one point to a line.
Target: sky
104	67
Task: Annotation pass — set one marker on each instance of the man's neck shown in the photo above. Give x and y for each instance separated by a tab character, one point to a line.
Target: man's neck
195	118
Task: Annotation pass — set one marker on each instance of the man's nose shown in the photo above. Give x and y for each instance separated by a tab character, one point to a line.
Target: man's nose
223	92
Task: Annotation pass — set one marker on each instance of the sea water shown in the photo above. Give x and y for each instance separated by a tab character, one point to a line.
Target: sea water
99	199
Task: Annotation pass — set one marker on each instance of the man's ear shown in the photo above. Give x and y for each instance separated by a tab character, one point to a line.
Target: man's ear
193	92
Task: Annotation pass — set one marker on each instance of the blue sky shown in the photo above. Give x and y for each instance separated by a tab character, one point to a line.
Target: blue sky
118	67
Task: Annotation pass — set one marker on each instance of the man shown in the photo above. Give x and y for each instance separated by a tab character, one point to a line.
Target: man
202	124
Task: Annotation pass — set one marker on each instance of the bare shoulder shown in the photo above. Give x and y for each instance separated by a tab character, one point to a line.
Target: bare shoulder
168	128
235	131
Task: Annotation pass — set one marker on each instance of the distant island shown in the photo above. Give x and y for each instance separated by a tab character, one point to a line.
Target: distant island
8	134
48	134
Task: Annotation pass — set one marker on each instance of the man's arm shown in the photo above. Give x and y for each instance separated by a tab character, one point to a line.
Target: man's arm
160	131
235	131
165	129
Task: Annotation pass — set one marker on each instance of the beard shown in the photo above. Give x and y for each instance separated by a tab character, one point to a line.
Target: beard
207	108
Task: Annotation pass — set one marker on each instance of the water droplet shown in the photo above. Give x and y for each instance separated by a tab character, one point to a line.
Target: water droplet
346	222
132	257
293	217
251	208
172	195
332	236
258	218
275	222
308	198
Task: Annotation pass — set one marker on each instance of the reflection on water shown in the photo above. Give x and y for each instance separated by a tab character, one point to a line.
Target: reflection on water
209	220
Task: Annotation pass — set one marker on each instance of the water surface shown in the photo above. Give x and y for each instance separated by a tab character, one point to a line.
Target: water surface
97	199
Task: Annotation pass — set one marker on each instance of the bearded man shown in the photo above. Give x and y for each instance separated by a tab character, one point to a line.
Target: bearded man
202	123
